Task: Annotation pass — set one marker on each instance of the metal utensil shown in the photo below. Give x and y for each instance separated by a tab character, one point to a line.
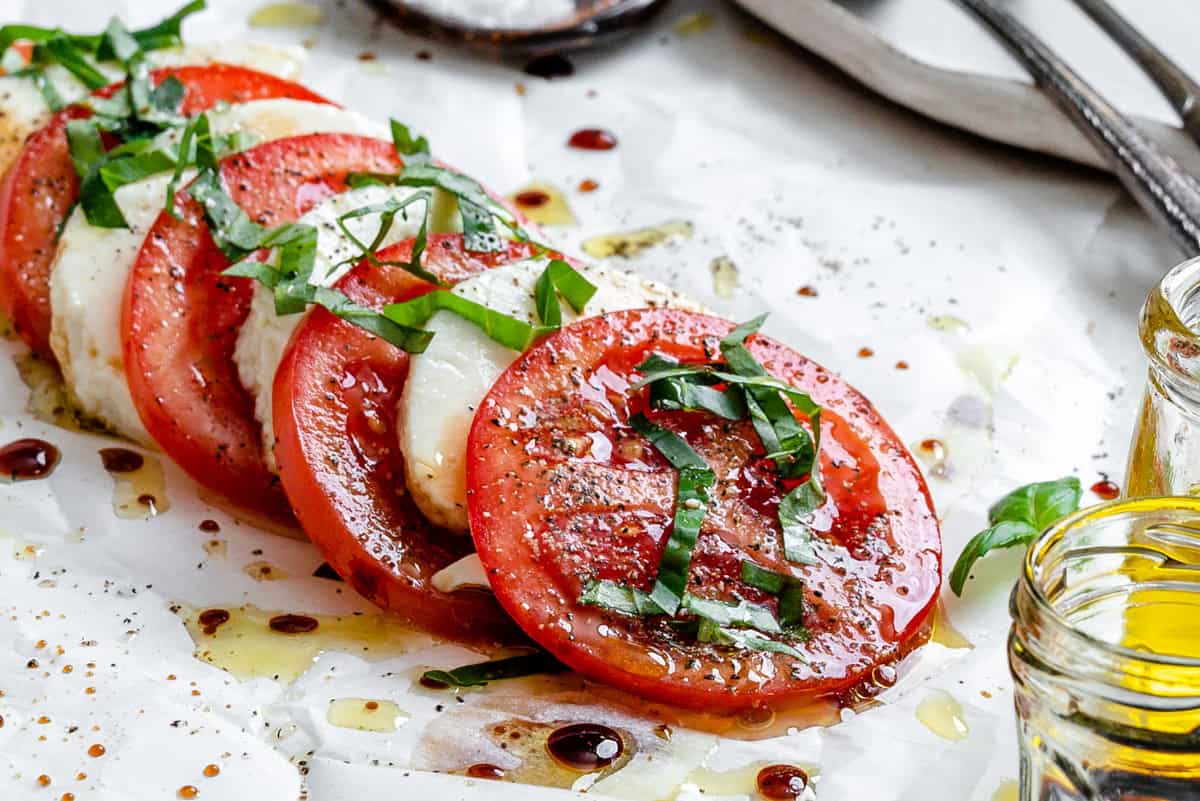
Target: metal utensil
1167	193
594	22
1175	84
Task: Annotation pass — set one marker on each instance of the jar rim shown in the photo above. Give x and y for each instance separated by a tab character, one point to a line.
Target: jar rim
1055	532
1161	323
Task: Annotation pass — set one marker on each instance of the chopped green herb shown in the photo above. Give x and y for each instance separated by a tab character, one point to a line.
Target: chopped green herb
483	672
415	148
742	615
787	588
1016	520
619	598
691	502
387	212
560	278
508	331
746	640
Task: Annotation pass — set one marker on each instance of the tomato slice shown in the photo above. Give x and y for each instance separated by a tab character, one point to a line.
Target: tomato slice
40	188
335	399
562	491
181	318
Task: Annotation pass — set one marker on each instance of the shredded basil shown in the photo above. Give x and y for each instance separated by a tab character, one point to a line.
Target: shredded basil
560	278
691	501
483	672
387	212
742	615
508	331
619	598
787	588
415	148
716	634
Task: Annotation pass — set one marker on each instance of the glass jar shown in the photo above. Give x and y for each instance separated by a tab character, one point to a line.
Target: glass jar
1105	655
1164	458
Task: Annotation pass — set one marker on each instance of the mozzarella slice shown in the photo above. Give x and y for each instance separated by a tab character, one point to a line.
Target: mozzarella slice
466	573
23	110
447	382
89	274
264	335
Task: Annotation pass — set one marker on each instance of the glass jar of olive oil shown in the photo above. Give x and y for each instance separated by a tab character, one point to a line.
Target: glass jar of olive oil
1105	655
1165	456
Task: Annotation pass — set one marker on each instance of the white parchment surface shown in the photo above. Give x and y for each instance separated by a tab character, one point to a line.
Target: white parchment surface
1008	284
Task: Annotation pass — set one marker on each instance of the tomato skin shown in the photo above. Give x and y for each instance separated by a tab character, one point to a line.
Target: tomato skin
560	491
40	188
181	318
335	400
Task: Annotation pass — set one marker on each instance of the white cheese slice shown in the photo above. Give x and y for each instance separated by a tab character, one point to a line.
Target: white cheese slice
466	573
264	335
87	280
447	382
23	110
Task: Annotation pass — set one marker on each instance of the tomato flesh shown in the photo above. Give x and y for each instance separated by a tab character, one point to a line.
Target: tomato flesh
335	398
561	491
41	187
181	318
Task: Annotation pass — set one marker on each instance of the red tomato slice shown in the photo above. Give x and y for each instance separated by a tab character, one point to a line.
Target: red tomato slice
335	400
181	318
40	188
562	490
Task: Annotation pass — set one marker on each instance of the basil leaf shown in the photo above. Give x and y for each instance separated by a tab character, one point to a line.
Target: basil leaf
508	331
787	588
117	43
163	34
87	156
483	672
167	33
415	148
745	640
1016	520
85	146
742	614
296	245
475	207
406	338
691	393
619	598
232	229
1039	504
560	278
691	500
1006	534
60	49
387	212
795	514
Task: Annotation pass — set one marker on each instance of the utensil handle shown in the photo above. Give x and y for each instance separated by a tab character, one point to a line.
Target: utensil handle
1168	194
1175	84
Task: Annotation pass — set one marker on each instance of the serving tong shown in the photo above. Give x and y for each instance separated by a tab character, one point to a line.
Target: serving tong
1167	192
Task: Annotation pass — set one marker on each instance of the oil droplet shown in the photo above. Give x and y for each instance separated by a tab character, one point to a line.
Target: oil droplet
216	547
592	139
188	791
807	291
756	718
865	353
585	747
695	23
1009	790
944	633
902	365
67	797
543	204
485	770
28	459
96	750
139	486
588	185
629	244
211	771
48	399
935	448
210	526
43	780
943	715
263	571
365	714
286	15
1106	489
724	277
254	643
946	323
781	782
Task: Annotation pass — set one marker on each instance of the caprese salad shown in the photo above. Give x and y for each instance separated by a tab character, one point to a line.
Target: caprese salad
323	324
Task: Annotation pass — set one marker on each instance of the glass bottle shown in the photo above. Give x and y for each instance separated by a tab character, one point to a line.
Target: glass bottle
1164	458
1105	654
